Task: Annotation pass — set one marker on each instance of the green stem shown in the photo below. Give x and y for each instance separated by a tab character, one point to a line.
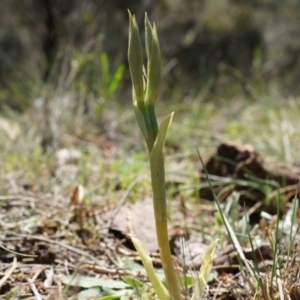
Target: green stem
161	221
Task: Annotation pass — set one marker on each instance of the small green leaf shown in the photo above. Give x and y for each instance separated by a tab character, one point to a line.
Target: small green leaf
88	282
133	282
91	293
111	297
161	291
161	137
201	279
107	294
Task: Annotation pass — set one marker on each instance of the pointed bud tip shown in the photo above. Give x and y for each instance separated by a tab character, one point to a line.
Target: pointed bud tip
147	22
132	20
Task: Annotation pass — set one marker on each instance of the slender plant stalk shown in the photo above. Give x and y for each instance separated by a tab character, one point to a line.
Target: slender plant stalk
161	222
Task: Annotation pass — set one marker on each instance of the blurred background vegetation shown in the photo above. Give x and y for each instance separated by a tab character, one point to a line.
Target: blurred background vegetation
219	49
231	71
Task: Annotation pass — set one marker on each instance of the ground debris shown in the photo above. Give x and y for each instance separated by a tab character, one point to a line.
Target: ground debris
239	167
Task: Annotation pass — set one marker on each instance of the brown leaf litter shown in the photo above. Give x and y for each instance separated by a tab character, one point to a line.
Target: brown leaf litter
236	166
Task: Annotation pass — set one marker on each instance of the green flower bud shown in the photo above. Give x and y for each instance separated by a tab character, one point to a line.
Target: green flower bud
135	58
154	63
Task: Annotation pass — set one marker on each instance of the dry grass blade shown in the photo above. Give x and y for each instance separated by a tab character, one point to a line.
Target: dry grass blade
280	285
32	285
35	291
9	272
265	289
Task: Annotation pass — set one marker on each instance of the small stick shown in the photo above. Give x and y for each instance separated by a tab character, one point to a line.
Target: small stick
9	272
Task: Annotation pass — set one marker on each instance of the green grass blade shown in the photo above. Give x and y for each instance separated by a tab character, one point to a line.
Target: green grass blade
116	80
241	256
105	69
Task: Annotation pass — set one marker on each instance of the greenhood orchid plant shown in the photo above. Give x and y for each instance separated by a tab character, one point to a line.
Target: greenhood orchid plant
146	84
